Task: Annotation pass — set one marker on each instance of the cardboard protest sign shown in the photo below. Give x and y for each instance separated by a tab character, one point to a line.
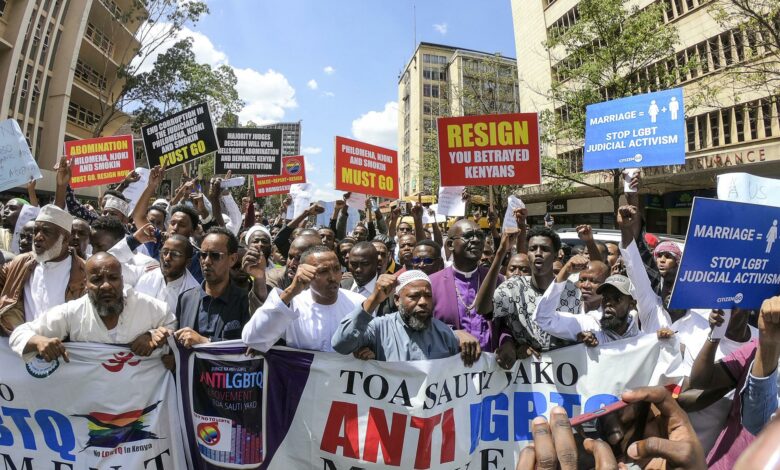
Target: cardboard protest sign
638	131
293	172
180	138
366	169
497	149
744	187
17	165
731	257
99	161
249	151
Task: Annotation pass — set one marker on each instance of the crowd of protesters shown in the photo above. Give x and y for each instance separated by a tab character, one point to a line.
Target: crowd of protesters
204	268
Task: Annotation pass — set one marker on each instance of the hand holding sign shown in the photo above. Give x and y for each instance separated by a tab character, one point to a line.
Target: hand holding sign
63	172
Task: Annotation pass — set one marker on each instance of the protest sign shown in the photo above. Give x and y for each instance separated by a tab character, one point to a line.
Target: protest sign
451	201
436	218
366	169
330	411
222	404
293	172
233	182
106	408
134	191
496	149
180	138
731	257
100	161
323	219
301	199
513	202
744	187
249	151
638	131
357	201
17	165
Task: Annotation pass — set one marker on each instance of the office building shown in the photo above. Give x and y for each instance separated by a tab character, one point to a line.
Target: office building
441	81
739	134
291	136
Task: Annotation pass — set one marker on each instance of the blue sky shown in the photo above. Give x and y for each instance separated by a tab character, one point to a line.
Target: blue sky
335	64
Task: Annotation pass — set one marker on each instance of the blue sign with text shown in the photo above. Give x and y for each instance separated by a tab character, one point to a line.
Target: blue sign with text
731	257
642	130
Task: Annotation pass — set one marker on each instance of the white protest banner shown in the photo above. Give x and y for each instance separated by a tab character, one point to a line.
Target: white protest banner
451	201
744	187
27	214
513	202
105	409
233	182
357	201
17	165
134	190
331	411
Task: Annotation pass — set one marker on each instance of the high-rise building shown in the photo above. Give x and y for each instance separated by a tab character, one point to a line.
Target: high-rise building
58	66
441	81
738	132
291	136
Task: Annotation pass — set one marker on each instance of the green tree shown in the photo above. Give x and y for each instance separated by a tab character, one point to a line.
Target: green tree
155	23
613	50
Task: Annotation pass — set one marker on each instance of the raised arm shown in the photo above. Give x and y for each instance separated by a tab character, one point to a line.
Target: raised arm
31	195
484	299
356	330
521	216
585	233
139	212
562	324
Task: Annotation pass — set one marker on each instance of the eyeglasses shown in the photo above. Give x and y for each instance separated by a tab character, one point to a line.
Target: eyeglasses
423	261
215	255
172	253
404	229
479	236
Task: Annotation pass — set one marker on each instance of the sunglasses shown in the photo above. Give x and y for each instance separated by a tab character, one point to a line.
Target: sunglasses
471	236
423	261
215	255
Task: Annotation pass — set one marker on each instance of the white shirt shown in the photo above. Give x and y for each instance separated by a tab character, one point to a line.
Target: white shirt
133	264
649	306
304	324
568	325
153	284
46	287
365	290
78	321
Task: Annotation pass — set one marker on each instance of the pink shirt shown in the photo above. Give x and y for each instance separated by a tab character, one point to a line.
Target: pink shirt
734	438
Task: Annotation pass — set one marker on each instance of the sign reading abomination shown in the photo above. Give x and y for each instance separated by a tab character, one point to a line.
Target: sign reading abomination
498	149
731	257
293	172
642	130
100	161
249	151
180	138
366	169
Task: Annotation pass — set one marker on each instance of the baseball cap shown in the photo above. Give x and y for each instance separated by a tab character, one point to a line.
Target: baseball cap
619	282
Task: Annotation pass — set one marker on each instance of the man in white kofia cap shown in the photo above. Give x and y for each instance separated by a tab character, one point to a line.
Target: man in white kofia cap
49	275
410	334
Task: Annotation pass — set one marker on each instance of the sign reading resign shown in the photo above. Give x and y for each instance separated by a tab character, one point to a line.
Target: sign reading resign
180	138
248	151
366	169
642	130
494	149
104	160
293	172
731	257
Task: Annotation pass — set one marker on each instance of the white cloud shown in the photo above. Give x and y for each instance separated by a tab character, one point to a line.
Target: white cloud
378	127
311	150
440	28
267	95
312	84
329	94
327	194
329	70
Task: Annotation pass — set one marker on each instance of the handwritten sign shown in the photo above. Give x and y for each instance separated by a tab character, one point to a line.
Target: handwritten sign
451	201
100	161
744	187
180	138
17	165
366	169
249	151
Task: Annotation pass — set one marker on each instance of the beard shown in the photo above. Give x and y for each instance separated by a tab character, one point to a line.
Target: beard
611	323
51	253
105	310
412	321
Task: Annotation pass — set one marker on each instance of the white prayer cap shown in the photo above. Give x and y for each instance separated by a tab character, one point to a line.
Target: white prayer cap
117	204
410	276
161	202
53	214
254	229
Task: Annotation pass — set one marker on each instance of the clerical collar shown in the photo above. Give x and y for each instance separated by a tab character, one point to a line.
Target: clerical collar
467	275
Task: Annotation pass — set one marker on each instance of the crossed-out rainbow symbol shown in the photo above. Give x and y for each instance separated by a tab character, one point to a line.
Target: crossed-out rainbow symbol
209	433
